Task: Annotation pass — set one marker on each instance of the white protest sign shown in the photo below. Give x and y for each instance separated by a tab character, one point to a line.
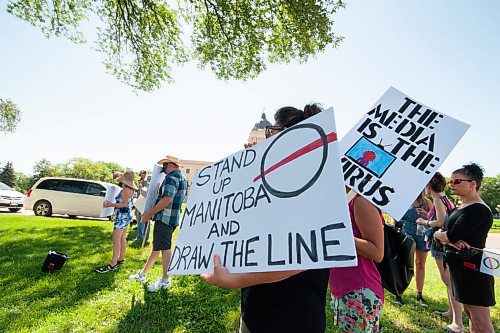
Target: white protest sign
490	263
140	203
280	205
111	193
157	178
394	150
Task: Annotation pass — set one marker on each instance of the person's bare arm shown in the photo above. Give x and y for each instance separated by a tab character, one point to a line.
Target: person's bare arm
440	208
371	243
222	278
126	194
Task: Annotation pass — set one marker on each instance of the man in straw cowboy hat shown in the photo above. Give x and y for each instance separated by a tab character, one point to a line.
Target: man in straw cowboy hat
165	213
123	217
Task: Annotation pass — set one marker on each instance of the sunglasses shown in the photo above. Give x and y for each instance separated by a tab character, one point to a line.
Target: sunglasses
459	181
271	130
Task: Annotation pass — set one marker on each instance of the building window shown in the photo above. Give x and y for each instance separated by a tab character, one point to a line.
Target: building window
188	170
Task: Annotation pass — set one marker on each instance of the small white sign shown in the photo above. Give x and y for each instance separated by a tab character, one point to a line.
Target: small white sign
140	203
157	178
395	149
490	263
279	205
111	192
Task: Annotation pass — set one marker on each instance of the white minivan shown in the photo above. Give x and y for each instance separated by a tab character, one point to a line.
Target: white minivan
71	196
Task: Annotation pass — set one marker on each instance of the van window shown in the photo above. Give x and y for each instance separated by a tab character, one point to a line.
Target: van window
72	186
94	189
49	184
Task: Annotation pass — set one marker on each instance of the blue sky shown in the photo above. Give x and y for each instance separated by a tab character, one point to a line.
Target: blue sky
442	53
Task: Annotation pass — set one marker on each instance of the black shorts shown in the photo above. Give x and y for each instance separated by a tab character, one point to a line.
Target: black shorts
162	236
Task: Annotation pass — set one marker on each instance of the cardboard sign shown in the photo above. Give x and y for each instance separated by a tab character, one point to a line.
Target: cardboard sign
280	205
490	262
157	178
140	203
111	193
394	150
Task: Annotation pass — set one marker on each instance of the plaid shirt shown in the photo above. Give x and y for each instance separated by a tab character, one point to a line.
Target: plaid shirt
174	186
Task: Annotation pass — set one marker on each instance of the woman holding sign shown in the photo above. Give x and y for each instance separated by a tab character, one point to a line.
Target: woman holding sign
123	217
283	301
358	295
464	234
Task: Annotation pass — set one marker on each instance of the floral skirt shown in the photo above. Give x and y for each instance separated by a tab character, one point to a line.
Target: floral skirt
358	311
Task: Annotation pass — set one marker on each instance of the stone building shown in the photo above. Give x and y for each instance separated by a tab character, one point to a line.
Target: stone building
258	132
189	169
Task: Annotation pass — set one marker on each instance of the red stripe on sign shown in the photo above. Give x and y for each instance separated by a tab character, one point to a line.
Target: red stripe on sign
302	151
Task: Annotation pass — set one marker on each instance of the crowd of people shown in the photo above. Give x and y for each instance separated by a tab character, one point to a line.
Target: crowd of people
294	301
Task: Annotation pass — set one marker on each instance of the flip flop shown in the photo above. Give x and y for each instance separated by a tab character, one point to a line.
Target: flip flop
450	330
443	314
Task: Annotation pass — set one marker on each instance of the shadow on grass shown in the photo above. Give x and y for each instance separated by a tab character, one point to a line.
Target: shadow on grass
412	317
29	295
189	305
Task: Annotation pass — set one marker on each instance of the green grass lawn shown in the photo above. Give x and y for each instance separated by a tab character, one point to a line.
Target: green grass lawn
496	226
76	299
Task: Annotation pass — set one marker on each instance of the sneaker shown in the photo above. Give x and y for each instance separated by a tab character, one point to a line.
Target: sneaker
159	284
107	268
421	301
140	276
397	301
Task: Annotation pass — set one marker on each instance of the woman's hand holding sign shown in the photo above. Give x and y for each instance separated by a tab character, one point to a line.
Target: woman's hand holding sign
221	276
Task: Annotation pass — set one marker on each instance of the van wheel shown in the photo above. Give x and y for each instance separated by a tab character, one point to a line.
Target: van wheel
43	208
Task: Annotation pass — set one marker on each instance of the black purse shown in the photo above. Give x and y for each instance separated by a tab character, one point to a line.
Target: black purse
463	254
396	268
54	261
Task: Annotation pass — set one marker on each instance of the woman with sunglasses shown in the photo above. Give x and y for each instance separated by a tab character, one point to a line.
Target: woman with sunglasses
284	301
434	219
465	230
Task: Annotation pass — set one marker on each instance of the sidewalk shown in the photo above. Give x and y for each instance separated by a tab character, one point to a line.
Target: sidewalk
493	241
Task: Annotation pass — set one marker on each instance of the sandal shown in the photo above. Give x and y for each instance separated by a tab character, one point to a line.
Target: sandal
450	330
106	269
443	314
119	262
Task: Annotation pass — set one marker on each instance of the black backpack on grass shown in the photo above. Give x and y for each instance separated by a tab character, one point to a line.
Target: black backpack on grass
54	261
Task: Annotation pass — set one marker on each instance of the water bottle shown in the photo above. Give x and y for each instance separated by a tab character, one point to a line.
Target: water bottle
420	229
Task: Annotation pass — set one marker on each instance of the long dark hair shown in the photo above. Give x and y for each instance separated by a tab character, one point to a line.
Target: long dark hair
288	116
437	182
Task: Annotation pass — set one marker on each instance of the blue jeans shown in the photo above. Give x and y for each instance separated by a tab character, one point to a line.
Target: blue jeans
141	227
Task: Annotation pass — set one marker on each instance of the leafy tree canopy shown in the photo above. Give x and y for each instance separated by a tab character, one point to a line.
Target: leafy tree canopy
142	40
7	175
10	115
490	192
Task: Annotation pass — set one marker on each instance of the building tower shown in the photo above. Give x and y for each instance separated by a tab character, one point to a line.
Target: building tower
258	132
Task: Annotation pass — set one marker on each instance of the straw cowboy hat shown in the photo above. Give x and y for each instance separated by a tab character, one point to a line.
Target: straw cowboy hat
169	159
127	179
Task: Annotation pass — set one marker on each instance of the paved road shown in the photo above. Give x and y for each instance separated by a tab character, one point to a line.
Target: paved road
493	241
